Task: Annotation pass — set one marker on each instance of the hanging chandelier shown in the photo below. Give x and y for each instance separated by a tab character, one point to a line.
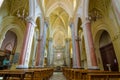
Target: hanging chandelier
94	15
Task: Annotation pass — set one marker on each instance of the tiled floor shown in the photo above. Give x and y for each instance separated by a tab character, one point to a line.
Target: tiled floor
57	76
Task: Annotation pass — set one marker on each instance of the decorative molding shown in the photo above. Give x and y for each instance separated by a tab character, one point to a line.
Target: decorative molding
22	14
39	39
77	38
31	20
85	22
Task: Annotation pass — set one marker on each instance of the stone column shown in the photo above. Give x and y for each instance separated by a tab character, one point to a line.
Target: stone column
90	52
27	43
67	53
48	55
77	46
76	60
43	44
2	37
36	41
50	52
40	43
37	60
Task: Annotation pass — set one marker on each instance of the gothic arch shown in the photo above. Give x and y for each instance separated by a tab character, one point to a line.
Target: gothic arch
58	4
62	34
59	28
96	36
14	25
100	47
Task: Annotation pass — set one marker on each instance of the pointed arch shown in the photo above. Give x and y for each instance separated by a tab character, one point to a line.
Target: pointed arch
13	24
56	5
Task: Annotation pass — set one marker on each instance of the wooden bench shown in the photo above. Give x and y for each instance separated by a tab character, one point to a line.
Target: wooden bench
103	75
81	74
27	74
7	74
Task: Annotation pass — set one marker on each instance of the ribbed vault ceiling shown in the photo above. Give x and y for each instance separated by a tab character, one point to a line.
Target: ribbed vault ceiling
59	13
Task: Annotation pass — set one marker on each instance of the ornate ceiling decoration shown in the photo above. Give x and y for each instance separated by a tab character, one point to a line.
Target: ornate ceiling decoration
59	13
71	4
20	7
101	6
59	17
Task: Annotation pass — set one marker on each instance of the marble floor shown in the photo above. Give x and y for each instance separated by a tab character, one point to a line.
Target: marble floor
57	76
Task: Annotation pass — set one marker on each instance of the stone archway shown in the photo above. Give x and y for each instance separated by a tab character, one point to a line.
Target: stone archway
107	52
9	45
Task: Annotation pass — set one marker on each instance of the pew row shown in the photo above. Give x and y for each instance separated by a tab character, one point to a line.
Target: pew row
27	74
81	74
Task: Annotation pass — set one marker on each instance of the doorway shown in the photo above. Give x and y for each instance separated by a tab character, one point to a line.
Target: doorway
109	58
108	55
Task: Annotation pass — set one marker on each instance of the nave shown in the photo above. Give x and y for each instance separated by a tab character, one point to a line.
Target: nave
37	35
58	76
64	74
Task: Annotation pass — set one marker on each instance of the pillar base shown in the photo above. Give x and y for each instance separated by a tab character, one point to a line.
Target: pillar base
22	67
77	67
93	68
38	66
50	66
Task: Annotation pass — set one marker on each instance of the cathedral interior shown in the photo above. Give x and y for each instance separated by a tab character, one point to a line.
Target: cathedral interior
80	34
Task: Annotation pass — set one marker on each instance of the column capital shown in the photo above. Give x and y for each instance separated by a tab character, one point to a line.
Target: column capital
50	39
31	20
77	38
46	19
67	39
87	20
71	21
41	18
39	39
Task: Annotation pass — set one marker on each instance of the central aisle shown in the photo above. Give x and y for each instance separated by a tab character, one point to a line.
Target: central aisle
57	76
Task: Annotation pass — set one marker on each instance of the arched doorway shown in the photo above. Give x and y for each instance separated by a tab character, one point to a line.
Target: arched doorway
8	47
107	52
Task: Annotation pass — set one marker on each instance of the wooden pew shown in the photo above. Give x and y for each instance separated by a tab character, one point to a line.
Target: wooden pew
7	74
44	73
81	74
105	75
27	74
